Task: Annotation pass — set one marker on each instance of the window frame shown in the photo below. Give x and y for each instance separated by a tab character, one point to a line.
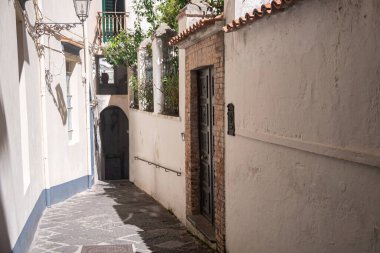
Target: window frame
70	66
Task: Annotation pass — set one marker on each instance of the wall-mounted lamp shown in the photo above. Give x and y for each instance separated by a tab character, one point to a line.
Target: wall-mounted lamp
183	136
81	9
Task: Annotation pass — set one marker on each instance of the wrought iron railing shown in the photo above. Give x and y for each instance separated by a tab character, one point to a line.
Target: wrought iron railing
179	173
111	24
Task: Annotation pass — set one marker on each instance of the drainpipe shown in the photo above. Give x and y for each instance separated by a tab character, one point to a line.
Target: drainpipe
88	108
45	159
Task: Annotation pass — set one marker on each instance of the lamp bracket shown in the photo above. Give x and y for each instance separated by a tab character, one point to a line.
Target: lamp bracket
51	28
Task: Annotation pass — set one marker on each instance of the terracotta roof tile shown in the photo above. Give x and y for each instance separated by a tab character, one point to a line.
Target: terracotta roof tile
257	13
194	28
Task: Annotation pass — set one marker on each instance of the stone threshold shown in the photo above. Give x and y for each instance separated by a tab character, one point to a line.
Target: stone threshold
202	228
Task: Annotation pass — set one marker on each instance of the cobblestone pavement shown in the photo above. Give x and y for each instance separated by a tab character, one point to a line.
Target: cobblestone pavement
110	214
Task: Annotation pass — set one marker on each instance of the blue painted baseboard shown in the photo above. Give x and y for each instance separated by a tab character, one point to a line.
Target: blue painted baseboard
47	197
64	191
27	233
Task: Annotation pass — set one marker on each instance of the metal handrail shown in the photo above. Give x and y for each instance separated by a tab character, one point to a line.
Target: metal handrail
179	173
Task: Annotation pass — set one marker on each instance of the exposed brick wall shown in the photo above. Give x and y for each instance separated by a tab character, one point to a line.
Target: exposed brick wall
208	52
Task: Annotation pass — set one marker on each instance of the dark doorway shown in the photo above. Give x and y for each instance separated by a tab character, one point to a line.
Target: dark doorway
114	128
206	141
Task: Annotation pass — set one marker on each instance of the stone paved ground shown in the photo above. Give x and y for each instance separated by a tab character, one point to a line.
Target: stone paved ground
112	213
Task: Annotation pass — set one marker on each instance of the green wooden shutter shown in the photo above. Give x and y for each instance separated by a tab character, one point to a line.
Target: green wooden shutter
107	6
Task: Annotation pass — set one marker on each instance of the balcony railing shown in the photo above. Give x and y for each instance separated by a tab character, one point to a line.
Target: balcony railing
111	24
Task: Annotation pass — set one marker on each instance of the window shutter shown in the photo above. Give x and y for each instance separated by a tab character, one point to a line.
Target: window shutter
108	5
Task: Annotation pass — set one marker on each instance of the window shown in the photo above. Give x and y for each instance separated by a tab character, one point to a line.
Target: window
111	80
73	81
70	129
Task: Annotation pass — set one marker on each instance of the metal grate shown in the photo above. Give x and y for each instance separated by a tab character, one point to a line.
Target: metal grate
127	248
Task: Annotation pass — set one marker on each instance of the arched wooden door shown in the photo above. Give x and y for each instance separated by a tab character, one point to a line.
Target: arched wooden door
114	126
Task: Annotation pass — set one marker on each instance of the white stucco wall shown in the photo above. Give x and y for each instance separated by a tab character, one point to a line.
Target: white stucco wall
16	198
302	172
21	137
67	159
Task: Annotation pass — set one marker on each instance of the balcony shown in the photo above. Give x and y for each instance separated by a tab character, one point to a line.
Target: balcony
110	24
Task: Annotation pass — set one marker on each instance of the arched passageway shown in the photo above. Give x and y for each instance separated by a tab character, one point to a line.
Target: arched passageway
114	126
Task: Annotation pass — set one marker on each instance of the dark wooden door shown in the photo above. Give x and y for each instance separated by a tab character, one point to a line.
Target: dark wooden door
206	108
115	143
114	167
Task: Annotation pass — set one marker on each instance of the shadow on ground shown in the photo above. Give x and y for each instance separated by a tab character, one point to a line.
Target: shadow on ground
161	231
113	213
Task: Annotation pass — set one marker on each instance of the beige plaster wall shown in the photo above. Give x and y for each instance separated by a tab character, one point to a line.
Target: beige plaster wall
157	138
305	159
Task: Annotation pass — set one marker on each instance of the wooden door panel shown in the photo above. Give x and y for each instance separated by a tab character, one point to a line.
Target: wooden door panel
115	143
113	167
205	143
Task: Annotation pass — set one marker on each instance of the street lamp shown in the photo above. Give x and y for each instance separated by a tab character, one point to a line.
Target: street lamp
81	9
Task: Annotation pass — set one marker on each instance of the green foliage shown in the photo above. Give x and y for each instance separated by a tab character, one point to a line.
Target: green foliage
169	10
146	9
170	83
122	49
171	94
216	6
134	89
149	50
145	93
142	93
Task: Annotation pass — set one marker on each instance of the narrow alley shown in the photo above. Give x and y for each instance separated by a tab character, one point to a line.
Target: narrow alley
190	126
114	213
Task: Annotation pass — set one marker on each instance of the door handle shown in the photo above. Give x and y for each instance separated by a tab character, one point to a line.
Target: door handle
203	157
